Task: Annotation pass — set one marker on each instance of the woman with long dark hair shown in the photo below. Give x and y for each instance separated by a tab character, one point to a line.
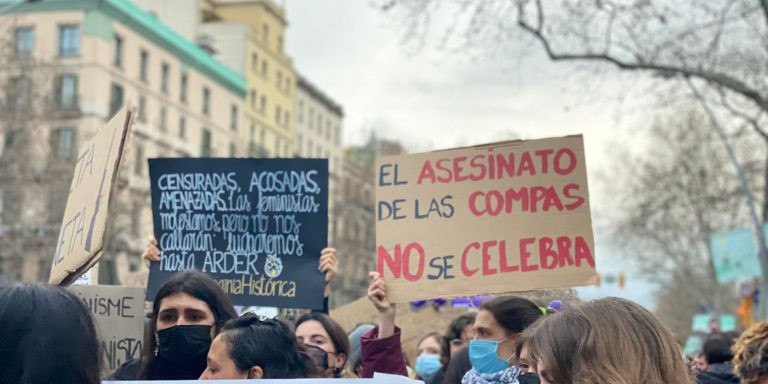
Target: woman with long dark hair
251	348
187	312
47	335
326	338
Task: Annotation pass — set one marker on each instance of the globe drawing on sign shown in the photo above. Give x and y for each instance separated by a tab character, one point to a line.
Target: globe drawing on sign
273	267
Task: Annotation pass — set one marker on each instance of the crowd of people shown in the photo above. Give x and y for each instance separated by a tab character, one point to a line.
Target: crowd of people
47	335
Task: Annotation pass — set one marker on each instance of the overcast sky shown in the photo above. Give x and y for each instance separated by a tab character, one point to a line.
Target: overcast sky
434	100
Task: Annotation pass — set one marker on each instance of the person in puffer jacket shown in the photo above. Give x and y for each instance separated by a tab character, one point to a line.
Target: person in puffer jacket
718	355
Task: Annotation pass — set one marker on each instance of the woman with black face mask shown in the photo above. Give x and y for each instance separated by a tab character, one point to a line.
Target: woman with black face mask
186	314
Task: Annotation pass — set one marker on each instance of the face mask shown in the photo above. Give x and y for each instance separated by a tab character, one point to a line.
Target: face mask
427	365
183	343
482	355
529	378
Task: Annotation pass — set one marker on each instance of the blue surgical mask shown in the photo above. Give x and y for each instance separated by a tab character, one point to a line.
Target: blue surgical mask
427	365
482	355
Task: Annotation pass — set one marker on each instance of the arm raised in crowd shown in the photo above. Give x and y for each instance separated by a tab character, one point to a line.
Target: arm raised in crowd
381	348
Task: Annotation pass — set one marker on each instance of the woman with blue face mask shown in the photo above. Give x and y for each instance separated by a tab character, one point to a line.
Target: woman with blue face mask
430	359
493	348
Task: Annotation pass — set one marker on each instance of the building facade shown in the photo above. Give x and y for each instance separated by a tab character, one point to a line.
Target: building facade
318	133
92	58
248	36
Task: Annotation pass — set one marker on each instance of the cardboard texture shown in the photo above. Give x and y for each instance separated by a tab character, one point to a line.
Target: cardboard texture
503	217
81	237
119	316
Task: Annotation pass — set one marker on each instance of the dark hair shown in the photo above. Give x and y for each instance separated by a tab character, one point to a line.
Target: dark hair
47	335
335	331
513	313
201	287
717	348
270	344
455	329
457	367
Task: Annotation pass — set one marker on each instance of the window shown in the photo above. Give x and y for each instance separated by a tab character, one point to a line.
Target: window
310	149
69	40
182	127
10	138
206	101
263	104
118	53
311	118
287	84
138	165
328	129
287	119
300	115
232	150
115	99
19	92
263	137
142	108
144	65
278	113
63	142
264	68
25	42
337	135
265	32
319	123
183	88
280	43
66	91
164	77
254	62
233	118
299	142
163	118
279	80
205	146
277	146
253	98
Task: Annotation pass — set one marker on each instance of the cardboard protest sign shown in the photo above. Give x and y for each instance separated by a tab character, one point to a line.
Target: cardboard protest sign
81	237
256	226
119	316
496	218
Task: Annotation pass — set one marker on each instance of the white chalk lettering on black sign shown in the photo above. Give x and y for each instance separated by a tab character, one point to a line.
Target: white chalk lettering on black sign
256	226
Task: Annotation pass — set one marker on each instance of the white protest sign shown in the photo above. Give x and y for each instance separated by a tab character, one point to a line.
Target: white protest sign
81	236
377	379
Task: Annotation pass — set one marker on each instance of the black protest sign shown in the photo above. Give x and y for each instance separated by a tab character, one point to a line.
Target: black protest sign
256	226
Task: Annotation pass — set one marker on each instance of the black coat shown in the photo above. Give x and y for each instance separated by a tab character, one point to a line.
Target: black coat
717	374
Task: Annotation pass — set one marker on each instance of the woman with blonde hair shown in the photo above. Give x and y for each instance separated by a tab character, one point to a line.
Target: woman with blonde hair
750	355
609	340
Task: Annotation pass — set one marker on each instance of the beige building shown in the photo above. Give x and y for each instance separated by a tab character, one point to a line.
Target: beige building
318	134
87	60
249	37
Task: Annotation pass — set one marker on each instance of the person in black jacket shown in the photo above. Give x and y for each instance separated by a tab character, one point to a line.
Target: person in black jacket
718	355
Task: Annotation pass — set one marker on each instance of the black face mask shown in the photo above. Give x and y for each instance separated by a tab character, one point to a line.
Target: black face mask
184	343
529	378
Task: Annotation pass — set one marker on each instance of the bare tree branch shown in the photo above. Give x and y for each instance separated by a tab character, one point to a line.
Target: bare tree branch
721	79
